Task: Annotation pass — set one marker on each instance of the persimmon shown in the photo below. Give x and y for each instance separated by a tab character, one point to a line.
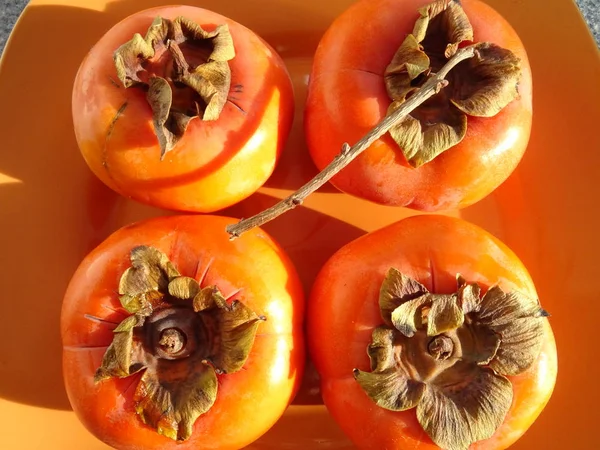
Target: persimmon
182	108
176	338
459	145
429	333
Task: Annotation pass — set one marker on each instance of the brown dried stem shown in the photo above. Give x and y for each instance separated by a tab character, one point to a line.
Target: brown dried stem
431	87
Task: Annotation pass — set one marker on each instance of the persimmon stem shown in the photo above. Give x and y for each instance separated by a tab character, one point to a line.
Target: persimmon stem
431	87
172	341
440	347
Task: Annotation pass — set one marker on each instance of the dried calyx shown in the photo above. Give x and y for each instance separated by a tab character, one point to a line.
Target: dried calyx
181	335
449	355
480	86
184	70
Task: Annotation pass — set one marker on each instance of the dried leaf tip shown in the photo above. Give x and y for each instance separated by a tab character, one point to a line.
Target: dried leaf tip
183	68
481	86
449	355
182	335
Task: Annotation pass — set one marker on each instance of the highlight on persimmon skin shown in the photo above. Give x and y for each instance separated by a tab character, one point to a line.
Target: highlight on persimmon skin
347	330
349	93
198	313
133	141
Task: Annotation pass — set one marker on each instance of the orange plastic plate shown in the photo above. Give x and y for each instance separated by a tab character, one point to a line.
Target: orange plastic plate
53	211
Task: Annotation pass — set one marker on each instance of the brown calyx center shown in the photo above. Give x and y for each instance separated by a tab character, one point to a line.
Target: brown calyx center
441	347
175	333
171	58
424	357
173	62
184	70
172	340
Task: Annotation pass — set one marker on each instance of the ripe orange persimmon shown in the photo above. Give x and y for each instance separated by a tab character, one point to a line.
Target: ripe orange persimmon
175	337
360	63
182	108
430	329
